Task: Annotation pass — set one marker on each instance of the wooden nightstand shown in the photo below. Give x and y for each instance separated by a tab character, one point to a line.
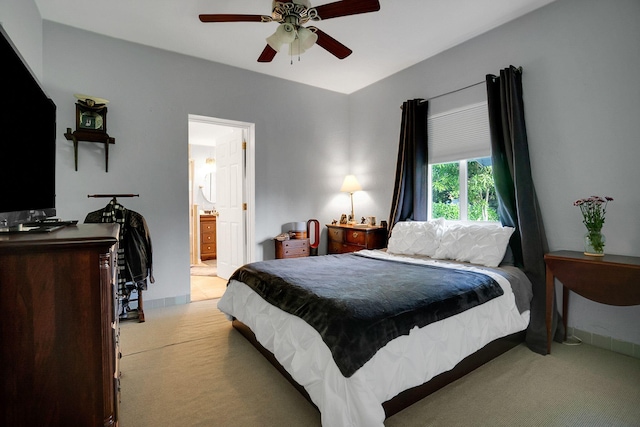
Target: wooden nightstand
208	249
292	248
347	238
610	279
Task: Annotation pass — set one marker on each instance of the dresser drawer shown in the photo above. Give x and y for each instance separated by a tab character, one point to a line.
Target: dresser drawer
207	249
356	237
207	226
208	237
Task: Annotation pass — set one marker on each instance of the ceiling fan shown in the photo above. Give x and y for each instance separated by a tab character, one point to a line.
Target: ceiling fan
292	15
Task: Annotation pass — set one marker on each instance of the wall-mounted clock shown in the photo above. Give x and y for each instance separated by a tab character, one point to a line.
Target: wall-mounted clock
91	113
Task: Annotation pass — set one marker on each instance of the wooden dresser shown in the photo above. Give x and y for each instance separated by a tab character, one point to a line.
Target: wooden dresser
346	238
59	329
208	237
292	248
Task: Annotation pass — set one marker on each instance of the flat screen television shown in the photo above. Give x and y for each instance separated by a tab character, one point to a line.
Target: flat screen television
27	142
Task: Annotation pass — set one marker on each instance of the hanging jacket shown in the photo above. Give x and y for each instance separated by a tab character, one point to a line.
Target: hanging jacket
134	247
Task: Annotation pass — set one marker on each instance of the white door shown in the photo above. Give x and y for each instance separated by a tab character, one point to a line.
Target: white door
229	204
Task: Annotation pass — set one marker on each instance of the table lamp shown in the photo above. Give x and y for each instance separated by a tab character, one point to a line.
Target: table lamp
351	185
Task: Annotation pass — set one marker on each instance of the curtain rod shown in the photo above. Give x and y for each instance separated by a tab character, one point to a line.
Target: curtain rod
458	90
422	101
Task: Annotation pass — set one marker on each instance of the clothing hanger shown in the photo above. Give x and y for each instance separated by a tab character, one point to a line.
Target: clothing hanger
113	195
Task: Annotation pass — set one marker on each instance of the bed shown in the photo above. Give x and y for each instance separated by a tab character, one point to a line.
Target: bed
364	335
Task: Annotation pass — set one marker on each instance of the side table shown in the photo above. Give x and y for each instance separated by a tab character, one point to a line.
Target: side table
292	248
346	238
610	279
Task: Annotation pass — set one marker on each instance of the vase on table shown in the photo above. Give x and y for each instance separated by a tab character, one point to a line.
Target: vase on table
594	243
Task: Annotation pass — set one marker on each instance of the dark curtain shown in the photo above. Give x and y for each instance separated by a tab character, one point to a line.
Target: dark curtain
517	200
410	190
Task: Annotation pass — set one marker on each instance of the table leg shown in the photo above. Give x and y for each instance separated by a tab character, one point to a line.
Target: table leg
550	296
565	309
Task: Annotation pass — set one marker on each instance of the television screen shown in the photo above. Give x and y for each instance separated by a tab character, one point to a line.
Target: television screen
27	141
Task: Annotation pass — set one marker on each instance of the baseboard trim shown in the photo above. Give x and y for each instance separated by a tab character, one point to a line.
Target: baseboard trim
166	302
607	343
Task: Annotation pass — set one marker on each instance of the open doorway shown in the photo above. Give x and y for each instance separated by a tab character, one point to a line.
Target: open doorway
221	171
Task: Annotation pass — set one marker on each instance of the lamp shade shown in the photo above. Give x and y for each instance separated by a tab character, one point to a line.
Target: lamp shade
350	184
285	34
304	40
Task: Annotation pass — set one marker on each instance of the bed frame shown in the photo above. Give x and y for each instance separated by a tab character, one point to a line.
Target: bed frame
412	395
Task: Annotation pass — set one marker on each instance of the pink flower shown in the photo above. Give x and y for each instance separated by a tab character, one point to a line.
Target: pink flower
593	211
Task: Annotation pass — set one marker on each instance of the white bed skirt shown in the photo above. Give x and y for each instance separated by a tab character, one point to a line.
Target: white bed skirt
405	362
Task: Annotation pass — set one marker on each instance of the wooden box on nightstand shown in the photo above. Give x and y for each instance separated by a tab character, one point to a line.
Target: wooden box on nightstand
292	248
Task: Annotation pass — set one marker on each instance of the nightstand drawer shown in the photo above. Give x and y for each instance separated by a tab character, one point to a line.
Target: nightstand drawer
293	248
335	247
356	237
336	234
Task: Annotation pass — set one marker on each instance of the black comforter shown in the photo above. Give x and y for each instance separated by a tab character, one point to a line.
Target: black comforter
358	304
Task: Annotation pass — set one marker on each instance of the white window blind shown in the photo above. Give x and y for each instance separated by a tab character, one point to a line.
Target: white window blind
458	134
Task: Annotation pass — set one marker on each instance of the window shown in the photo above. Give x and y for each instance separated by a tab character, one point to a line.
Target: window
463	190
460	172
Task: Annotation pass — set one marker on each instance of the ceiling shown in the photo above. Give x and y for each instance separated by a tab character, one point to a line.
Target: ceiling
401	34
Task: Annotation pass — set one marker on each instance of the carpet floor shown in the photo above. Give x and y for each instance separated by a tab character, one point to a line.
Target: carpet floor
186	366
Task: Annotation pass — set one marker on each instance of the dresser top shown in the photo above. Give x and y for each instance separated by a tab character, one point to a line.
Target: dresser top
97	234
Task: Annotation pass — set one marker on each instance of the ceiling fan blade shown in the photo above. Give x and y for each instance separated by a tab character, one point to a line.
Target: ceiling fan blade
347	7
331	45
267	54
230	18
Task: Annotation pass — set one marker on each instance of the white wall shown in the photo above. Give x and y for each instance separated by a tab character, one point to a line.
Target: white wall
582	106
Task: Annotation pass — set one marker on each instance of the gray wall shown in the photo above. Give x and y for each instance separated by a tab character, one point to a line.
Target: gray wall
151	94
582	106
21	21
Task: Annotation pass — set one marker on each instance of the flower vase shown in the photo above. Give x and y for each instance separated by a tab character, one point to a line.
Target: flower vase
594	243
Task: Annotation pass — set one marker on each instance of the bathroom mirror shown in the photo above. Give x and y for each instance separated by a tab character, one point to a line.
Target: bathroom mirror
209	187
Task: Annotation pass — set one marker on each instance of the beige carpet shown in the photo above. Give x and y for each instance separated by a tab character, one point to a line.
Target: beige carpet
186	366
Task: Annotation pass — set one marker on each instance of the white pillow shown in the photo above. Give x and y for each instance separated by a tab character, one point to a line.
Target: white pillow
483	244
416	237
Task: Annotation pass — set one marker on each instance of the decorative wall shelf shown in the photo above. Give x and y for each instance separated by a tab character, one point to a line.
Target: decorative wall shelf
90	136
91	125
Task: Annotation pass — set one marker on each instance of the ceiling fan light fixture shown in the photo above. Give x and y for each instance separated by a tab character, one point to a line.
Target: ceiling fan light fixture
285	34
305	39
